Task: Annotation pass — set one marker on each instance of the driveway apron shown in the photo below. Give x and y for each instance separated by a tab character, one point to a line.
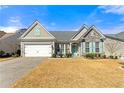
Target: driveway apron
12	70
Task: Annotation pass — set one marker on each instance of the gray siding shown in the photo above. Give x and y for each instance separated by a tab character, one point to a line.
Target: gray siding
43	33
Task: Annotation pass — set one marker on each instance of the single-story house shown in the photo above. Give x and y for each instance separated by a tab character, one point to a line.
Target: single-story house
37	41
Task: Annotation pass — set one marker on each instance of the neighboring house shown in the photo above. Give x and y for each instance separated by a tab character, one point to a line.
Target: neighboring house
38	42
10	42
114	44
2	33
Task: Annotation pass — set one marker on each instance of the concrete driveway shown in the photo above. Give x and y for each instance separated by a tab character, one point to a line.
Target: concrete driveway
15	69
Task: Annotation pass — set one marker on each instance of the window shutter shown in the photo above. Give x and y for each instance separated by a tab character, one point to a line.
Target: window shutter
94	47
100	47
90	47
83	47
103	47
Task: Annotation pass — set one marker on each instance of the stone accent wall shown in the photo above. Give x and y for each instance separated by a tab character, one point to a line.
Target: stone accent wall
92	36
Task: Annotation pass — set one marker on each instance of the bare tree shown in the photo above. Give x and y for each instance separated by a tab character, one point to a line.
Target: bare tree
113	46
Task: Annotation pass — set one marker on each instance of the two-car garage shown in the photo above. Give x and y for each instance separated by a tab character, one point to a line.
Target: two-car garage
37	42
31	50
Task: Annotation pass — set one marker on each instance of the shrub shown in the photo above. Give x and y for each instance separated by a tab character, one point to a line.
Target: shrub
16	55
104	56
111	57
99	55
54	55
68	55
61	55
95	55
7	54
91	55
18	52
13	54
116	57
2	52
65	55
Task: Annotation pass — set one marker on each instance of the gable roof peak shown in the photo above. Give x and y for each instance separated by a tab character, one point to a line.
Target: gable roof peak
83	26
36	22
94	27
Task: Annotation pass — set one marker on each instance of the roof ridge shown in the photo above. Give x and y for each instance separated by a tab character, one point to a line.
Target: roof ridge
62	31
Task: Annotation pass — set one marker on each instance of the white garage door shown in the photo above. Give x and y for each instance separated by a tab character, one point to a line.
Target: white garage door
38	50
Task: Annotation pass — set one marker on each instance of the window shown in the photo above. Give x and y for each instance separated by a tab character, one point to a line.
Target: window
37	32
87	47
97	47
62	48
57	48
87	44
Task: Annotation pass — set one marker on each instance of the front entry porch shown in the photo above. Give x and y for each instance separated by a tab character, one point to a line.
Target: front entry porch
74	49
79	49
67	48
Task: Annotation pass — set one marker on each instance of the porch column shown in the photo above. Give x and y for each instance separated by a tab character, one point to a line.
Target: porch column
64	48
70	48
81	48
83	43
103	48
60	46
53	51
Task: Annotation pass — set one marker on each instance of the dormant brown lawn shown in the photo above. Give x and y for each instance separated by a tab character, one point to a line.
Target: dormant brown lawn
74	72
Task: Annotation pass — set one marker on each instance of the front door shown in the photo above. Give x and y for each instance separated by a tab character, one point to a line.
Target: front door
74	49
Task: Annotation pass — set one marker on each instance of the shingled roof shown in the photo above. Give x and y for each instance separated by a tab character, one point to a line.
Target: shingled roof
118	36
63	36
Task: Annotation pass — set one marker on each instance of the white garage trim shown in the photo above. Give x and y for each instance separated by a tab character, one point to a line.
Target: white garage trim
39	50
33	43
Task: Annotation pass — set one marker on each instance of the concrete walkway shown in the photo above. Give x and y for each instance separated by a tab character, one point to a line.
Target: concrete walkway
12	70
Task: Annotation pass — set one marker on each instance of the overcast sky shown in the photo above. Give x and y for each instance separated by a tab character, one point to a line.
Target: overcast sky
108	19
